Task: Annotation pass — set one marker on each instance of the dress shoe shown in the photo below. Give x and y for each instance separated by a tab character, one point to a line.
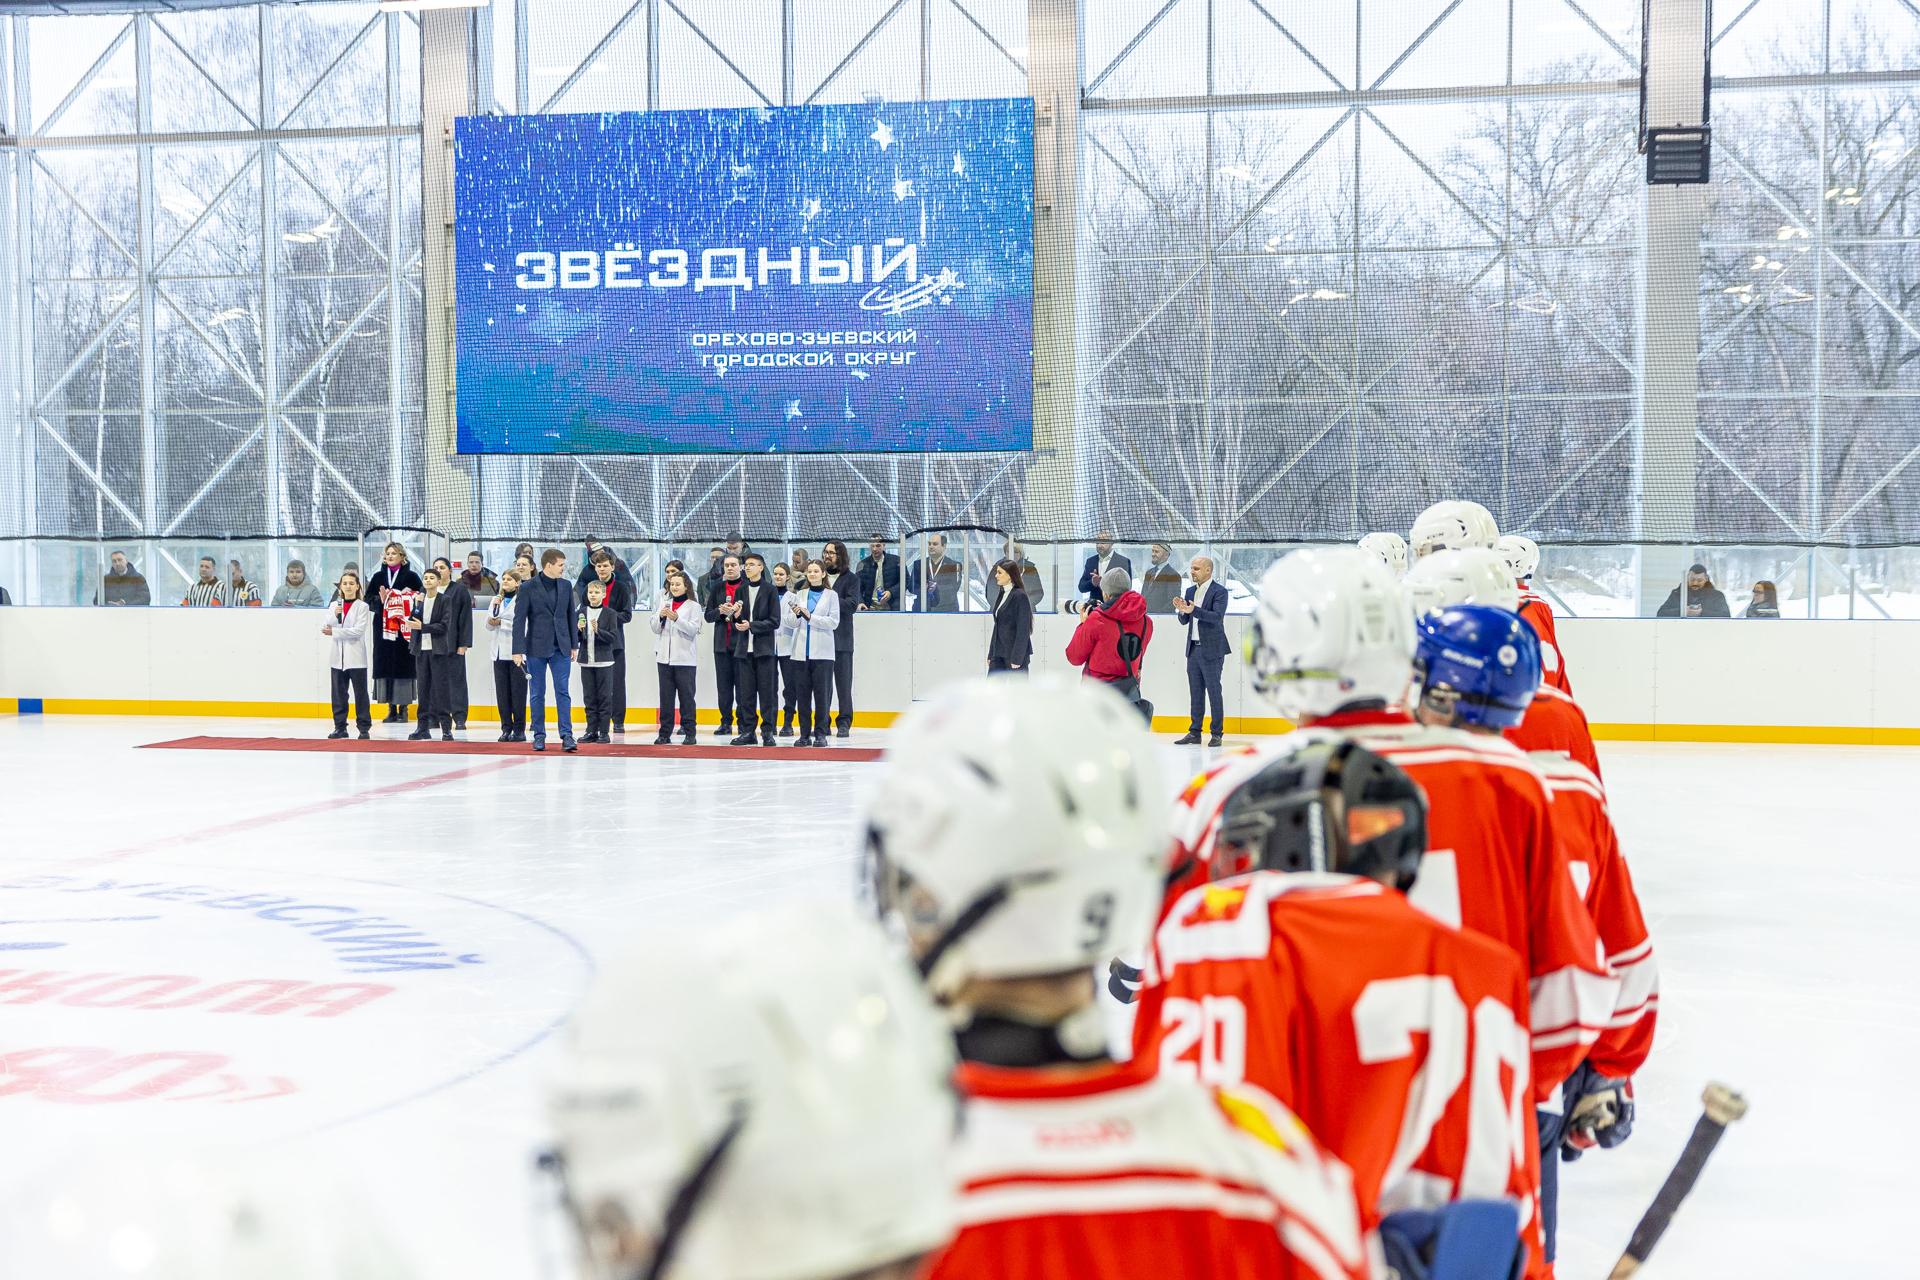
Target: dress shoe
744	740
568	744
620	729
787	731
446	735
1214	741
689	741
337	733
366	735
539	744
1191	740
846	733
820	740
664	740
801	741
418	735
461	725
506	735
767	739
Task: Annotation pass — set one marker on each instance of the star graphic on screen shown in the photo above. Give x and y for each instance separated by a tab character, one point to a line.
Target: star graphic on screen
793	410
902	188
809	209
882	134
519	308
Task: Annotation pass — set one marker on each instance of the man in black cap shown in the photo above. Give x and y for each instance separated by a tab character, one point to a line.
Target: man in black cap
1698	599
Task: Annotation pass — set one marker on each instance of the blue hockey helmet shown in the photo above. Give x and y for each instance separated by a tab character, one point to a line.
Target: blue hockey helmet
1477	665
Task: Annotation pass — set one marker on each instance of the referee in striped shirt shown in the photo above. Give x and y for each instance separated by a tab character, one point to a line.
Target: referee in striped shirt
208	593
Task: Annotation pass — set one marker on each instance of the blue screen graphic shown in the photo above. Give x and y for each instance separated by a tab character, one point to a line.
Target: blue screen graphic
792	280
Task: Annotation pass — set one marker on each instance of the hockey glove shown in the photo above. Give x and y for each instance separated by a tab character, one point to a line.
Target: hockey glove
1600	1112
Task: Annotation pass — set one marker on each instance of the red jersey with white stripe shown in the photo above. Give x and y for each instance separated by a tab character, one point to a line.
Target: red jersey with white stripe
1114	1173
1539	616
1555	722
1586	833
1494	866
1399	1040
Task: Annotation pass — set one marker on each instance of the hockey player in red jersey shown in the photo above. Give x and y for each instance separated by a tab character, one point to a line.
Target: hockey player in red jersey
1522	557
1331	646
1016	840
1555	722
1400	1040
1596	1106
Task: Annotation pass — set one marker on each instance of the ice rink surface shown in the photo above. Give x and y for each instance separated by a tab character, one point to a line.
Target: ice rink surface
372	952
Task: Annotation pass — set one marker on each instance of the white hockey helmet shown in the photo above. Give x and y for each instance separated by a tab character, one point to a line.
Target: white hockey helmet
199	1215
1480	523
1448	578
1391	548
1521	554
1331	627
765	1099
1019	830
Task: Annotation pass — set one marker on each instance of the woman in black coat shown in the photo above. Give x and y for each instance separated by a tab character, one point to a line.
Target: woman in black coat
846	584
392	659
1011	650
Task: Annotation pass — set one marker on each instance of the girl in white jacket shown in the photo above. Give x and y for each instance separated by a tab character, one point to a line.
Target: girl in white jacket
815	608
676	631
793	674
348	620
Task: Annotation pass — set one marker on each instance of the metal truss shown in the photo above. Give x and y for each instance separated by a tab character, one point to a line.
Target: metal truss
267	106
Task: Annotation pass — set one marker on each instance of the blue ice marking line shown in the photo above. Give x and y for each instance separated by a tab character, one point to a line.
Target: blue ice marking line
51	946
30	946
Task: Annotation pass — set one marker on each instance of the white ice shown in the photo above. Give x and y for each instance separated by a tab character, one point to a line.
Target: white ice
1780	884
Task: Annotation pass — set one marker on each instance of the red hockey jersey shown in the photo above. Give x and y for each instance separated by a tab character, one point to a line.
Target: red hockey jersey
1555	722
1114	1173
1400	1041
1539	616
1494	866
1586	832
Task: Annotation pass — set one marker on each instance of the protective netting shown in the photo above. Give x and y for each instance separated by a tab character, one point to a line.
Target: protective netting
1299	318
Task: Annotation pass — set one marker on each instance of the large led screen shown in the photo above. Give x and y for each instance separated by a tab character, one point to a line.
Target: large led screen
792	280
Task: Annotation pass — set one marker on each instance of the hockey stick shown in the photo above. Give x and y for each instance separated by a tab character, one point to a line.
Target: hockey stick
1723	1107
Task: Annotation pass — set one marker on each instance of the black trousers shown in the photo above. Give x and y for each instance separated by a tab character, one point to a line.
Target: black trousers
510	695
793	685
596	685
999	667
457	690
815	697
676	685
843	689
723	666
757	685
354	678
1203	688
617	704
435	673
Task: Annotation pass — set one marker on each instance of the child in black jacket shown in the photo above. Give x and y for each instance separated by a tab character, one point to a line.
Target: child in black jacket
600	642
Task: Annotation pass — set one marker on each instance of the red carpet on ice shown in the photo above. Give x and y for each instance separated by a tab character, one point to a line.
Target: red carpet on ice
622	750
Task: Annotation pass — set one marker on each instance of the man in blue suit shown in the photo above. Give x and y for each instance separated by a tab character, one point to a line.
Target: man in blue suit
546	634
1204	610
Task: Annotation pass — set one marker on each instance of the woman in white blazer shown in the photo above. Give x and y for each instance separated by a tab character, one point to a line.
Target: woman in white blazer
509	678
676	633
815	608
793	675
348	625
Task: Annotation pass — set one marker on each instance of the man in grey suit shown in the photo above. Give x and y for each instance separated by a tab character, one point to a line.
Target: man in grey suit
1204	610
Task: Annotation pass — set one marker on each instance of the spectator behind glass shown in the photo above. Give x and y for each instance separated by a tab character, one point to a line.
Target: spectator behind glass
879	577
239	590
797	568
479	583
1010	651
716	557
1160	584
209	592
1765	602
676	635
123	584
349	625
525	552
935	582
509	681
1102	562
1702	598
298	591
1097	642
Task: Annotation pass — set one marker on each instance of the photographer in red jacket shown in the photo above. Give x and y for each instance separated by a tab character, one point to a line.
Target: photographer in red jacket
1111	640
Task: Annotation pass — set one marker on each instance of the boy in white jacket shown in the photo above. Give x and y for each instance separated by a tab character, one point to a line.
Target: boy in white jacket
348	620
